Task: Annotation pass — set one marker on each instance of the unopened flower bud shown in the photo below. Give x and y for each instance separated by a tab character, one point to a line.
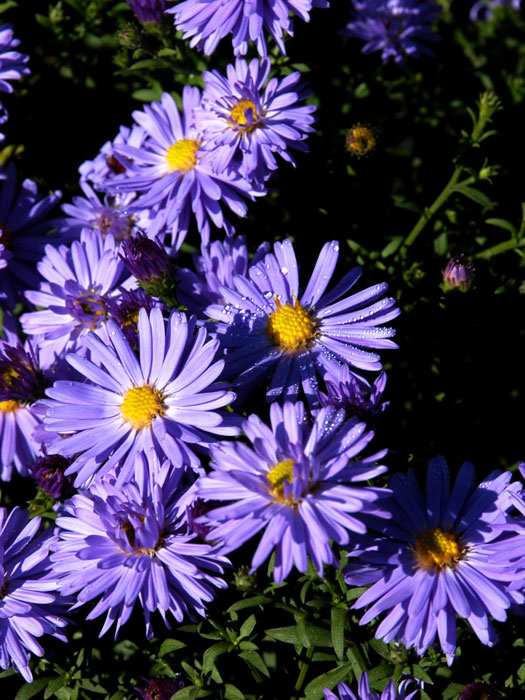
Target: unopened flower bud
458	274
361	140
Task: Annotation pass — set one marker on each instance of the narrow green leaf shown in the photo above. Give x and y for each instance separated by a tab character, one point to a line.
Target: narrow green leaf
246	603
337	630
475	195
53	686
247	627
170	645
314	689
208	660
391	247
503	223
232	693
452	690
29	690
191	692
255	660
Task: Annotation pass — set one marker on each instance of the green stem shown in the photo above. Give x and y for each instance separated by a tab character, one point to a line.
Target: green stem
430	211
305	665
500	248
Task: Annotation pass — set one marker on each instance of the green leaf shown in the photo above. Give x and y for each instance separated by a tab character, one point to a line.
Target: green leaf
391	247
208	660
191	692
441	244
503	223
170	645
337	630
247	627
29	690
147	94
255	660
475	195
246	603
452	690
232	693
315	636
53	686
314	689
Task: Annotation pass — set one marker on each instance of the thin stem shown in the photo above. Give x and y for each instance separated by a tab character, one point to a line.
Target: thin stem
500	248
430	211
305	665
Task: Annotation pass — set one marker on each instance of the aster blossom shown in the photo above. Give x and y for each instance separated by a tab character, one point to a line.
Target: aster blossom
162	402
437	557
29	602
249	119
294	482
12	64
125	545
23	224
364	692
206	22
174	175
397	28
268	328
73	298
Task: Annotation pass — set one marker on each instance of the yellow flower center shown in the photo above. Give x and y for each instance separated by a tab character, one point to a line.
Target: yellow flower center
9	406
291	327
281	472
238	115
141	405
361	140
181	155
436	549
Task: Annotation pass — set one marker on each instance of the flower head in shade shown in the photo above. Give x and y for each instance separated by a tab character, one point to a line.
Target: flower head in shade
148	11
269	328
78	280
361	140
28	600
294	484
126	544
484	9
479	691
160	688
206	22
48	472
216	266
23	226
162	402
125	311
437	557
21	384
12	65
397	28
173	173
248	119
459	274
364	692
355	395
107	163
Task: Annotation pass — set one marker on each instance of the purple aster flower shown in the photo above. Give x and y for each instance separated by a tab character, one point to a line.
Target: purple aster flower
397	28
145	258
174	173
21	384
148	11
160	688
107	216
217	265
268	327
294	483
12	65
107	163
479	691
484	9
437	558
79	279
125	543
161	401
364	692
248	119
125	311
22	229
28	601
355	395
206	22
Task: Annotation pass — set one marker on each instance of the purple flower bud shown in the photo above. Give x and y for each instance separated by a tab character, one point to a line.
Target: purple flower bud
148	11
145	258
160	688
48	472
459	274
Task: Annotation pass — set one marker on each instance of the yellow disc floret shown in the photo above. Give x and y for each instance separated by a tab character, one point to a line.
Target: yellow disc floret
141	405
9	406
291	327
436	549
361	140
238	115
182	155
281	472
